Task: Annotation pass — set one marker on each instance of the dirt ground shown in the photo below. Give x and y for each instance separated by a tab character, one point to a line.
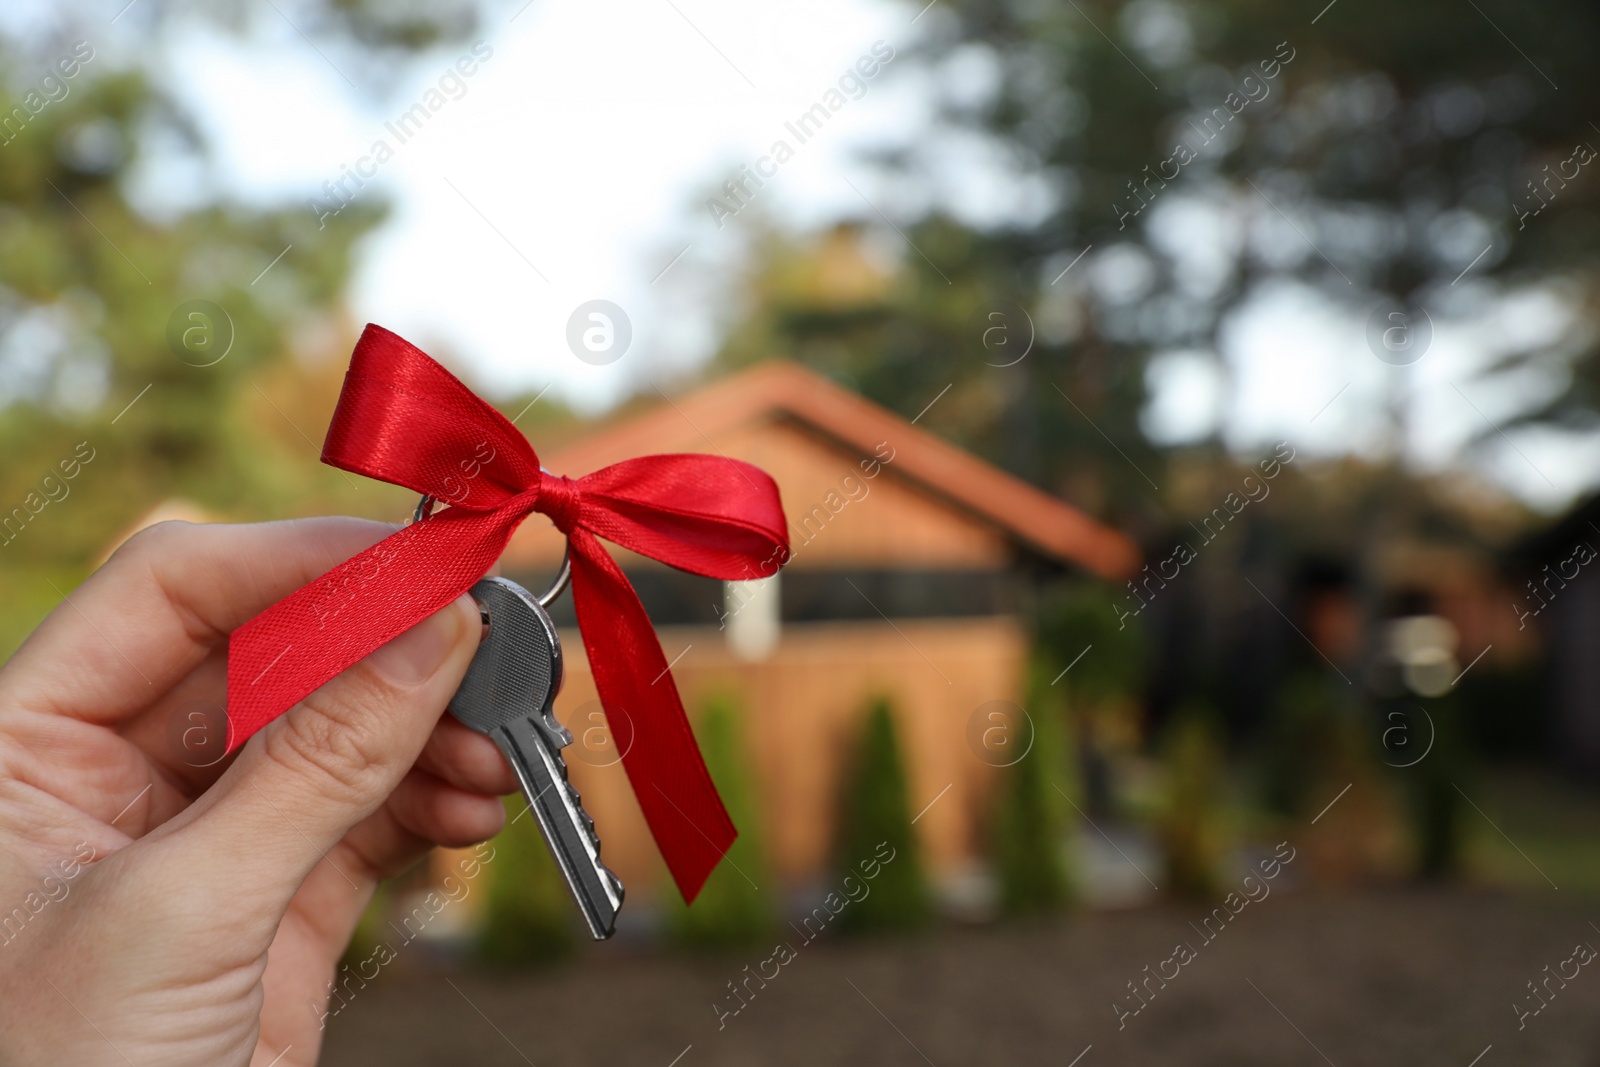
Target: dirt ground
1403	976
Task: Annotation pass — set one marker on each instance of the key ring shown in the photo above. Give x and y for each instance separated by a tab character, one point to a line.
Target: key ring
557	587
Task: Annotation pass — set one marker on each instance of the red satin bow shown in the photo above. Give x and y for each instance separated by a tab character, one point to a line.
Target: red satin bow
404	419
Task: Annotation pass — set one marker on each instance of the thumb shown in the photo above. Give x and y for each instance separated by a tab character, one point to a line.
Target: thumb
305	780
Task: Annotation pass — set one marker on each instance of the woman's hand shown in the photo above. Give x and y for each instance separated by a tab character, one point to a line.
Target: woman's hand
156	912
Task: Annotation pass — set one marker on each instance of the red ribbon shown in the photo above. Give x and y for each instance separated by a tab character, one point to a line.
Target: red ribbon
404	419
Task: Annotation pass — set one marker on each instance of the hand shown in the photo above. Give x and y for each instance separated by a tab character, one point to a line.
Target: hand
139	895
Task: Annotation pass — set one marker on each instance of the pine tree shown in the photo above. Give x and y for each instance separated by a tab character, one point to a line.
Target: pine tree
874	813
1030	825
735	905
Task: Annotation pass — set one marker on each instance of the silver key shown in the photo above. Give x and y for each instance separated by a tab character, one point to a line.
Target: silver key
509	694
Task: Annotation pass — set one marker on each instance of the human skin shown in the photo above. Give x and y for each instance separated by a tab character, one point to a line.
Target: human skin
208	925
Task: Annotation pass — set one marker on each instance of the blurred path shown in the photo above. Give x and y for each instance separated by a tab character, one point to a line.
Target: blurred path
1400	976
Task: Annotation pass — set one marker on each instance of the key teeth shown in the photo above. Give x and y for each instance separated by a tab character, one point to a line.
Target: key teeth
548	725
563	736
587	821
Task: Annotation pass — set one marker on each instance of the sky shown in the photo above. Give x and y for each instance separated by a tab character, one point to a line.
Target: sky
576	162
574	166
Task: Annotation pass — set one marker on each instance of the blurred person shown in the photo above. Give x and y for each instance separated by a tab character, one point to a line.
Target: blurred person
152	911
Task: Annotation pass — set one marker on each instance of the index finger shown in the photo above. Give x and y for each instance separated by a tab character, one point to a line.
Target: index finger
171	594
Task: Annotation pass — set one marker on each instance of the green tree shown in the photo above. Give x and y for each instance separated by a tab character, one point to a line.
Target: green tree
1448	144
528	916
735	905
874	812
1031	821
103	350
95	299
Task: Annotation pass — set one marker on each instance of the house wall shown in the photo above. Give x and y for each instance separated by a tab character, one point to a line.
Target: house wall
802	709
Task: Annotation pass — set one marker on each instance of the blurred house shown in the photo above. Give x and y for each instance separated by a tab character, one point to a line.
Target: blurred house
1291	595
912	566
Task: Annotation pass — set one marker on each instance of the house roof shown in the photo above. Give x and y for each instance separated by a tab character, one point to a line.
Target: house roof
778	389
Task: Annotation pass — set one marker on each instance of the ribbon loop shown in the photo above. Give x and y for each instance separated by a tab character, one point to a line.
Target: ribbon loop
404	419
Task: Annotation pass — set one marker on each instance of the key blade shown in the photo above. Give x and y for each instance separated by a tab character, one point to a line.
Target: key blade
567	828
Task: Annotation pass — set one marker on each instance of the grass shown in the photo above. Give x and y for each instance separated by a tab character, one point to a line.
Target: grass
1533	829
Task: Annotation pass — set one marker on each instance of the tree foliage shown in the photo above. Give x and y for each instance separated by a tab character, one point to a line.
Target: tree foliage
1030	835
733	908
874	810
194	347
1389	153
89	284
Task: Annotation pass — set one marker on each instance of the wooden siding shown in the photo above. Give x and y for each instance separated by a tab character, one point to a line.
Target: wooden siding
802	709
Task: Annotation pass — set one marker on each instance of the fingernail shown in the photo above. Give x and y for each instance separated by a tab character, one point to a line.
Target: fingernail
415	655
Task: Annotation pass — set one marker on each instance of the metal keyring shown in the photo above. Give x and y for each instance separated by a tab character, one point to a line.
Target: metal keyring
557	587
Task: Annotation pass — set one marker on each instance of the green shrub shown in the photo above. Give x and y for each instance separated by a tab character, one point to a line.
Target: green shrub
1324	741
735	906
1030	824
528	915
1191	818
1433	783
1072	616
873	811
1297	740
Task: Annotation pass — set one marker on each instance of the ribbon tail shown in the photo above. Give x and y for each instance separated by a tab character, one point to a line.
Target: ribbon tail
647	721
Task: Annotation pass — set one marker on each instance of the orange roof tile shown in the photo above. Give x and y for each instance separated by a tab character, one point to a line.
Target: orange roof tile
779	388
